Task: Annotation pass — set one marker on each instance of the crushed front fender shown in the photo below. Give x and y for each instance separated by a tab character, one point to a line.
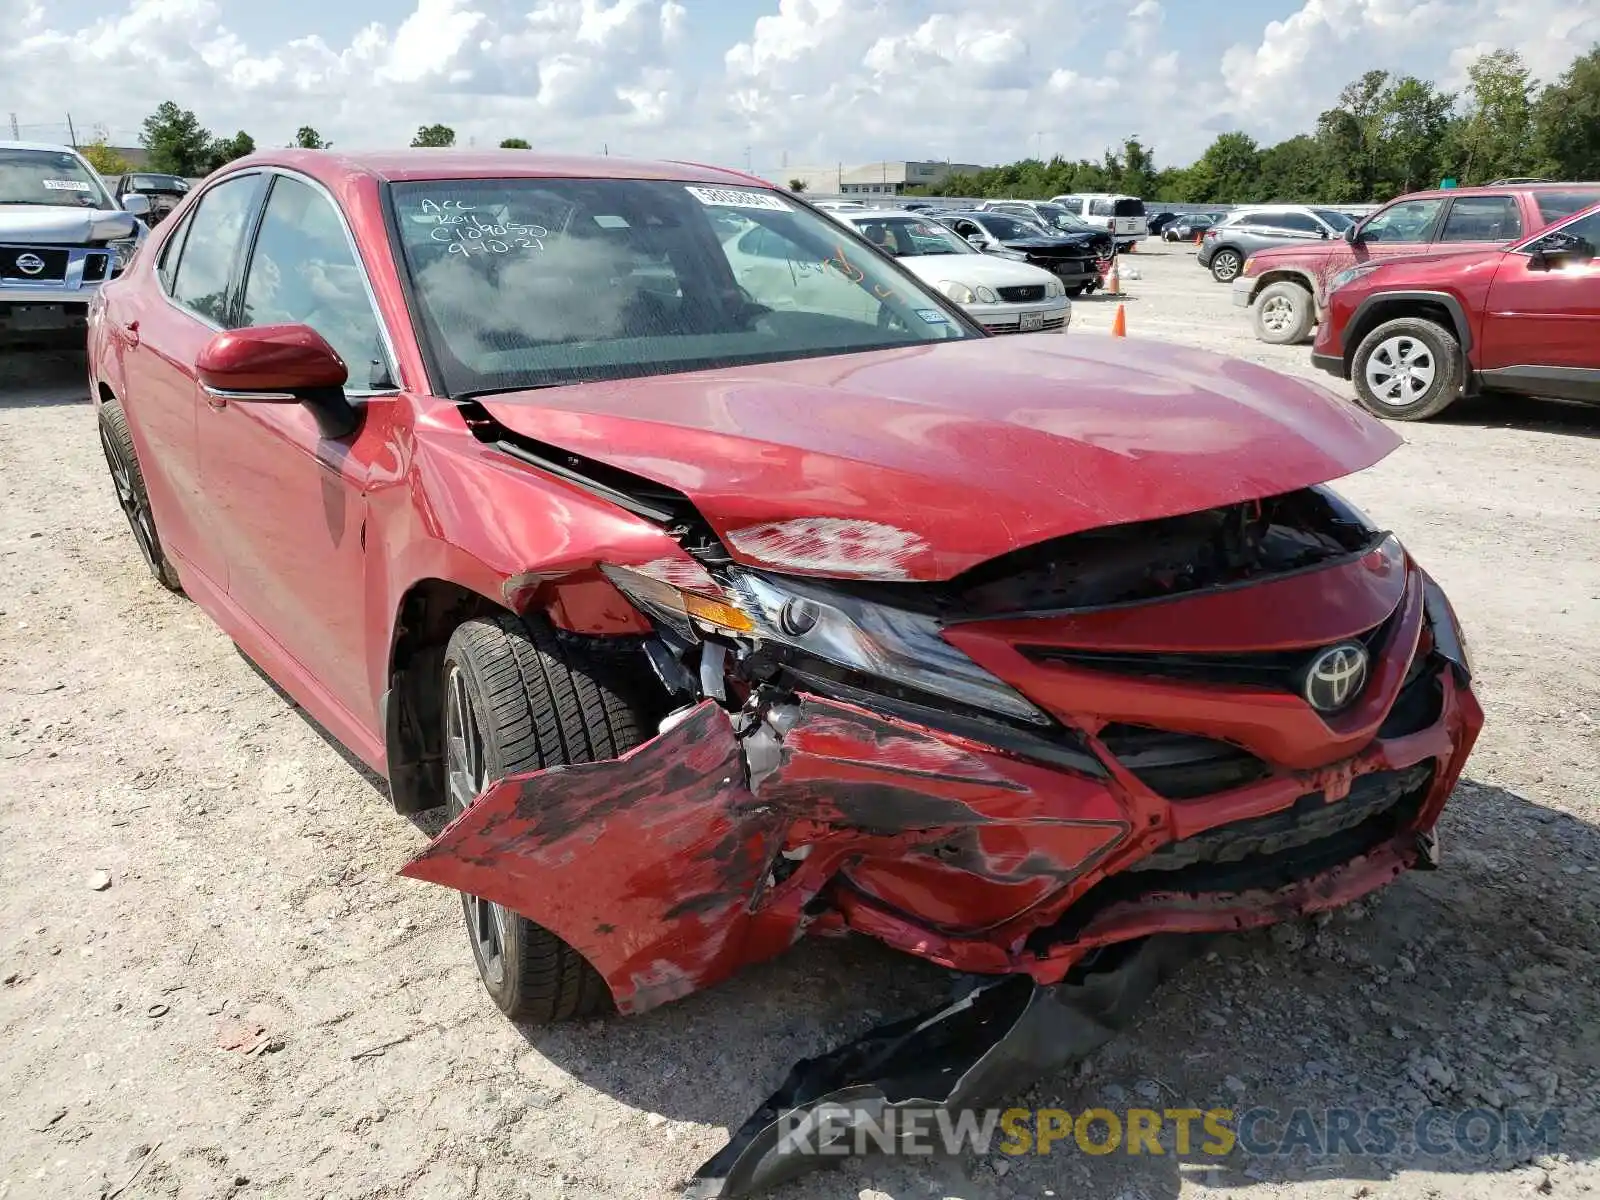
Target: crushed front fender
644	864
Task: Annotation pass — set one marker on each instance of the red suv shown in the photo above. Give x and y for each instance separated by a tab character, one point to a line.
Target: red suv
1414	334
1284	287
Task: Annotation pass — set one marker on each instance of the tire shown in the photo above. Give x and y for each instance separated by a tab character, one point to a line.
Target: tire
1283	313
1076	291
1226	265
132	497
533	704
1432	358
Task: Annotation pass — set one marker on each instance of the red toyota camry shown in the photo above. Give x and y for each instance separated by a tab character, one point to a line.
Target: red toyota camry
730	585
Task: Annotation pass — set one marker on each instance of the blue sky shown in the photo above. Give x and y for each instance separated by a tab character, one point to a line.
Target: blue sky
794	82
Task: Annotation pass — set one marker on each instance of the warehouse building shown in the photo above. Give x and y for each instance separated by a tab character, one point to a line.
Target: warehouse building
879	178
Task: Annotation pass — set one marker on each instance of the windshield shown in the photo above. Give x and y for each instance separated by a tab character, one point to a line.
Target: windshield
536	282
1010	229
49	177
1059	218
906	237
1336	221
158	183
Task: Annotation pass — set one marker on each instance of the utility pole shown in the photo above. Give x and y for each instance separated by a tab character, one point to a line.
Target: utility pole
72	134
16	134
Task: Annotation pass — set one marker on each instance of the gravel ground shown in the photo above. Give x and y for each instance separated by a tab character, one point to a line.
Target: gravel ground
216	986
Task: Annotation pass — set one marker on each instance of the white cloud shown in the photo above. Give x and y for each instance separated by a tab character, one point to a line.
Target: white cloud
806	80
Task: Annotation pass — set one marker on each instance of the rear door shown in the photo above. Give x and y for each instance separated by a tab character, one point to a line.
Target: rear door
162	333
1541	330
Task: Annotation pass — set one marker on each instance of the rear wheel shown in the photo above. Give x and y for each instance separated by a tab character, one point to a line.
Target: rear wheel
132	498
1283	313
1225	265
516	699
1408	369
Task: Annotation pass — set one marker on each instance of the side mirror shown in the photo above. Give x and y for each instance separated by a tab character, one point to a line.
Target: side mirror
978	240
136	204
1322	233
279	364
1353	235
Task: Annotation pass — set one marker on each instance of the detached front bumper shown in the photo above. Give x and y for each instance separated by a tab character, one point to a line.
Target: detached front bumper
727	837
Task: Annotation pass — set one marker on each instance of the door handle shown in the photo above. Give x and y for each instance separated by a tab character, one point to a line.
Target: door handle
130	333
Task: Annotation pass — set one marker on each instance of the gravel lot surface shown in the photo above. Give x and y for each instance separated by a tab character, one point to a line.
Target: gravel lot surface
216	986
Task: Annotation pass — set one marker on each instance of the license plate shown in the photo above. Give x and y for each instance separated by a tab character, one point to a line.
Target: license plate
1031	323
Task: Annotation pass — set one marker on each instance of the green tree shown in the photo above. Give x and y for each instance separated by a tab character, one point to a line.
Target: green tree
1566	122
307	138
797	185
1138	175
1227	171
434	135
1416	118
177	142
1293	172
224	150
1495	138
105	160
508	144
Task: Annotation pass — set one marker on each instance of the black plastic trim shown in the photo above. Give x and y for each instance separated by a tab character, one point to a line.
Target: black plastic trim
1564	383
1458	314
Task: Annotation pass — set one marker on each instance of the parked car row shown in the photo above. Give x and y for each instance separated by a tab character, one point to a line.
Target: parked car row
1432	296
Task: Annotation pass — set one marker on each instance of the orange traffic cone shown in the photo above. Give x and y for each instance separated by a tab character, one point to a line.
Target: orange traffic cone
1113	279
1197	238
1119	325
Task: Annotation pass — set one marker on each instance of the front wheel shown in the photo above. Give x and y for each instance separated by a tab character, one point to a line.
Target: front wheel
1076	290
516	699
1226	265
1283	314
1408	369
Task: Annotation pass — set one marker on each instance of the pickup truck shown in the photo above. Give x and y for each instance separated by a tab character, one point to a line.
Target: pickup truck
61	236
1413	334
1284	287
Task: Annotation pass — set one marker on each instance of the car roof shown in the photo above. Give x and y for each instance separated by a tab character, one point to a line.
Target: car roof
417	165
879	213
52	147
1497	189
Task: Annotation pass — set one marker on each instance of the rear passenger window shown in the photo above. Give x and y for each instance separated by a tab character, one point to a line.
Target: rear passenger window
1482	219
1297	222
211	248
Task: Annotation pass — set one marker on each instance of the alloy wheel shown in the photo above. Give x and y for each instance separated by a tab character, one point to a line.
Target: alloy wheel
466	775
1401	370
1225	266
128	499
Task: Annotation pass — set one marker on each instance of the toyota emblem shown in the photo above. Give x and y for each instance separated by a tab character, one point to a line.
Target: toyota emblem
1336	677
30	264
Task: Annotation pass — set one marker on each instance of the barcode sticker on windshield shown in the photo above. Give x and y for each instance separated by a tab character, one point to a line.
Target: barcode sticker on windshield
65	185
728	198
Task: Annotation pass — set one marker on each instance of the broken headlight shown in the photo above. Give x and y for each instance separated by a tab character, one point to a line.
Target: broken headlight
893	644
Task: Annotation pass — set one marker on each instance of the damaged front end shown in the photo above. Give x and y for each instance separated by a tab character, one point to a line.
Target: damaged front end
1044	772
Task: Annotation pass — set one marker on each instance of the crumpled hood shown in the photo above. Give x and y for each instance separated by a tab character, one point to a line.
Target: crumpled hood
919	463
1067	241
63	224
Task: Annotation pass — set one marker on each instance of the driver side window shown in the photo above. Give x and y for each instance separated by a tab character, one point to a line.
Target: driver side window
1411	221
1581	236
303	272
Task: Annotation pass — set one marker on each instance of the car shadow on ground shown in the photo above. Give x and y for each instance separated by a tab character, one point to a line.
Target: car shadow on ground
1503	410
35	377
1405	1014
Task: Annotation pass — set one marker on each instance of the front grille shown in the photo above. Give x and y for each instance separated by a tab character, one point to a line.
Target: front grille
1262	853
1278	670
1023	295
1050	324
1063	266
1181	766
54	270
94	267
